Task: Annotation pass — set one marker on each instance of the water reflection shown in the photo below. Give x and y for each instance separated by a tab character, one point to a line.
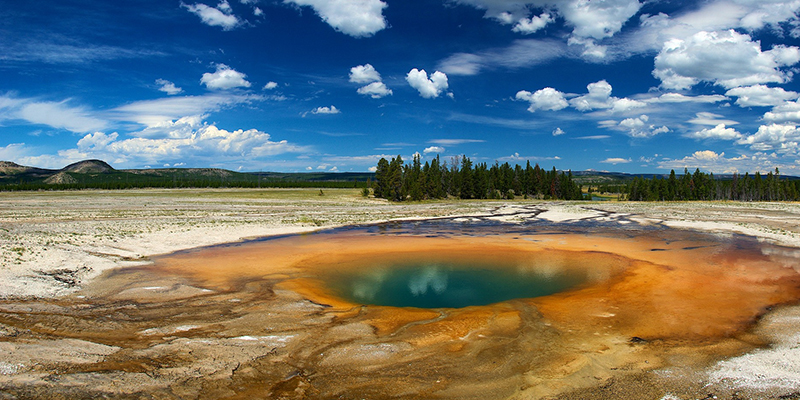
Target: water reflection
449	285
367	286
428	276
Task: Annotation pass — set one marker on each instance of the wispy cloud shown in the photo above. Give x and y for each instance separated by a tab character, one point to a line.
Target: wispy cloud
59	115
707	118
48	52
522	53
525	124
591	137
454	142
153	113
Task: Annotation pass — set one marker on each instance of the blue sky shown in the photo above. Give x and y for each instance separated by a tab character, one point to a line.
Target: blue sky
334	85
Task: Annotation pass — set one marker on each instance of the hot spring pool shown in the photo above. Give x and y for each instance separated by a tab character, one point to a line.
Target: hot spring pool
449	285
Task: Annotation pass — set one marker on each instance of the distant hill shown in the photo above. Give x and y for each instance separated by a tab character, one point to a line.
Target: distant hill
88	167
100	175
8	168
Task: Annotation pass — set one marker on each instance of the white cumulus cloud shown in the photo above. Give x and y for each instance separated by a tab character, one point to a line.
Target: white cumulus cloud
598	19
761	96
168	87
206	142
786	112
428	88
599	98
591	50
189	141
595	19
639	127
357	18
221	15
97	140
616	160
270	85
433	149
364	74
326	110
174	131
526	26
543	99
774	137
711	16
707	155
558	132
376	90
719	132
726	58
368	74
224	78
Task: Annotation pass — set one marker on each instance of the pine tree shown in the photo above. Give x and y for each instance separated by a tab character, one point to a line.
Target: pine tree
466	188
382	179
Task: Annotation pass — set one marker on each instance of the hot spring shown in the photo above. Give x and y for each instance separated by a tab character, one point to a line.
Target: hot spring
433	309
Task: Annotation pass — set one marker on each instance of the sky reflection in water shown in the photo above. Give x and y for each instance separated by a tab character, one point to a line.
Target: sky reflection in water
441	284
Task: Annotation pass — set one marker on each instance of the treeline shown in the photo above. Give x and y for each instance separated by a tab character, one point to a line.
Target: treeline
462	179
702	186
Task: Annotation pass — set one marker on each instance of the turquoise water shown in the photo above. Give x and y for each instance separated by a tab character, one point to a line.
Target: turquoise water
442	285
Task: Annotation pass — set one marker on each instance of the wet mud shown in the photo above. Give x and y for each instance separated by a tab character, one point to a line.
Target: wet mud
262	320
